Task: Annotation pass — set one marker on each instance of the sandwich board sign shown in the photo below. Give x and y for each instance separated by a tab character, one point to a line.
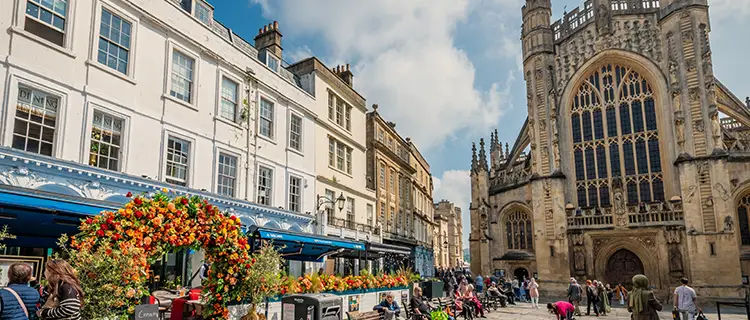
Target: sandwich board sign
147	312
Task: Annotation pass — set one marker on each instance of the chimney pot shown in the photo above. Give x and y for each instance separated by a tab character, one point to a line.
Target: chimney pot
275	25
265	29
347	67
260	31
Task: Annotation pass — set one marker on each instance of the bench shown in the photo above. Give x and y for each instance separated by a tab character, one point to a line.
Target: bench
369	315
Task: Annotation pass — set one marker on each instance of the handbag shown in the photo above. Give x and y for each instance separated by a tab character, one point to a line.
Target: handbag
701	316
676	314
20	302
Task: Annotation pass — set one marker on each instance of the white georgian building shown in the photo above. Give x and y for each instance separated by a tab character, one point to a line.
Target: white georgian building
136	95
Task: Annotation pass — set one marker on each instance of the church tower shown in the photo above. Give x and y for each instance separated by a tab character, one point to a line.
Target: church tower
479	211
702	156
547	180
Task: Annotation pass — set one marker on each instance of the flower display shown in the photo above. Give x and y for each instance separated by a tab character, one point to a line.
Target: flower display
146	228
331	283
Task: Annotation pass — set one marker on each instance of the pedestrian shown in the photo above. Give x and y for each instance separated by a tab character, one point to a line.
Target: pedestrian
621	293
643	303
65	294
592	298
575	293
18	299
603	300
470	296
516	288
610	293
685	300
522	290
479	283
534	293
563	310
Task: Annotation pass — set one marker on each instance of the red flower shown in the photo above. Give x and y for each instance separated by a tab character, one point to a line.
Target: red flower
130	194
184	201
137	201
103	226
138	214
100	233
209	208
109	251
89	221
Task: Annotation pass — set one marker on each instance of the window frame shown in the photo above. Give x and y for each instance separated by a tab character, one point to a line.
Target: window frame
301	134
172	47
15	83
224	74
96	36
209	8
271	193
19	27
92	108
347	160
274	113
237	178
300	194
190	158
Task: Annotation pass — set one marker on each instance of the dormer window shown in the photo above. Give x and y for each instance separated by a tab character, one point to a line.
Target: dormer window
198	9
271	61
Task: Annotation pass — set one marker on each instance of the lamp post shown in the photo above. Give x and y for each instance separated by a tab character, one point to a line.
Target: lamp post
339	202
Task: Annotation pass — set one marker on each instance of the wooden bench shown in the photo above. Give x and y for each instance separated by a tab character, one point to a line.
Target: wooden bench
368	315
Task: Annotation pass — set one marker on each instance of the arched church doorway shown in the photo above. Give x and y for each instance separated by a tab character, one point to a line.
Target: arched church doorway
622	266
521	273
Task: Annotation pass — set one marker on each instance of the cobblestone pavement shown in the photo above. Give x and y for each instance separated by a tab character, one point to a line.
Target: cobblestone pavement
523	311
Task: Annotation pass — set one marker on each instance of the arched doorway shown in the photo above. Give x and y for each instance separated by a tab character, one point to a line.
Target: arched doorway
520	274
622	266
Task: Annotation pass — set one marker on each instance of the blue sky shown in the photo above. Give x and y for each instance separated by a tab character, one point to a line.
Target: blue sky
446	71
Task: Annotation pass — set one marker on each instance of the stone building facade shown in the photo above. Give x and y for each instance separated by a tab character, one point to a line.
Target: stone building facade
454	225
401	178
440	241
623	165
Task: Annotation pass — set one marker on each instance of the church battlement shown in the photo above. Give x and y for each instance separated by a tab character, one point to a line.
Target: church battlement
579	17
626	216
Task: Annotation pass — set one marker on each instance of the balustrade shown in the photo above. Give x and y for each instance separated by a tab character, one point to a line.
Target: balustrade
642	215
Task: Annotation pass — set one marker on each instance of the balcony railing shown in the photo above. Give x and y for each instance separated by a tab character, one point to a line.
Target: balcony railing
642	215
351	225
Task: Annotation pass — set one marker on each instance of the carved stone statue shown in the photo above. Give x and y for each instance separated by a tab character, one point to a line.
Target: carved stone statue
674	79
603	19
618	196
680	128
556	151
747	102
675	259
716	131
728	224
553	124
708	66
579	260
711	94
677	101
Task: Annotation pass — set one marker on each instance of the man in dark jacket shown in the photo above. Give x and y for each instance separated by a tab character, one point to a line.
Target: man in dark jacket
18	299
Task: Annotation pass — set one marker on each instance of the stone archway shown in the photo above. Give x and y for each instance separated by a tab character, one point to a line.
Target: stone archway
622	266
641	245
521	273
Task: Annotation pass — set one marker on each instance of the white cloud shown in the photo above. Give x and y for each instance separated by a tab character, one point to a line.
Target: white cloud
734	9
298	54
455	186
404	59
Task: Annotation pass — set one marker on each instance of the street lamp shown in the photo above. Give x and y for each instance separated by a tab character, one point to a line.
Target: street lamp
339	202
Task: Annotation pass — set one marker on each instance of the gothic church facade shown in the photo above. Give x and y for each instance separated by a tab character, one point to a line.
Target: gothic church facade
634	157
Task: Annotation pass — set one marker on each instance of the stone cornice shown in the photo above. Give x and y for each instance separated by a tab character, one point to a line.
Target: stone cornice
72	169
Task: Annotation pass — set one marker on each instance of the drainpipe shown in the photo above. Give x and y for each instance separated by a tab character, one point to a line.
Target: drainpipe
252	137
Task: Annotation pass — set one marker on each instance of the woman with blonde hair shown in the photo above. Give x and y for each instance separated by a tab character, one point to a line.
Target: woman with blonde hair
534	293
65	294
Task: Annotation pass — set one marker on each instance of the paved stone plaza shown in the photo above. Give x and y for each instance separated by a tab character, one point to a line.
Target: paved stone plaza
523	311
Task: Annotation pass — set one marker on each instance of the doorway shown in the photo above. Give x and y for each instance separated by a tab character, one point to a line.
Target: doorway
622	266
520	274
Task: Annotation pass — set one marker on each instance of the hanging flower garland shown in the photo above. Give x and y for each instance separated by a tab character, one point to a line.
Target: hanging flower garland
147	228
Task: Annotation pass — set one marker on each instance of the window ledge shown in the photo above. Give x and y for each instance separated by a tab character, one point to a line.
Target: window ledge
292	150
33	37
173	99
111	71
340	171
266	138
228	122
335	124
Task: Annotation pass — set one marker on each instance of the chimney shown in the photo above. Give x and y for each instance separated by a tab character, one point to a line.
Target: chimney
269	38
345	73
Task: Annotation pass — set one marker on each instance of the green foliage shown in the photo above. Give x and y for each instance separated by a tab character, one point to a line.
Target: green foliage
439	315
100	274
5	234
265	279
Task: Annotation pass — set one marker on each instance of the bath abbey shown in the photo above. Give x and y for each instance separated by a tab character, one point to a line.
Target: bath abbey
634	157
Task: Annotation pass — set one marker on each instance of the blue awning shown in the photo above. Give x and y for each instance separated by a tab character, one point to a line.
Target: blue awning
302	246
37	219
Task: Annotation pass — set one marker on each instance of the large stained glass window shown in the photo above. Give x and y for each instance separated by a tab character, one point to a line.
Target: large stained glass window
614	135
518	231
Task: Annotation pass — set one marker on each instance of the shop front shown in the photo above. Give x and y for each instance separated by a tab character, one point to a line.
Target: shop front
42	198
